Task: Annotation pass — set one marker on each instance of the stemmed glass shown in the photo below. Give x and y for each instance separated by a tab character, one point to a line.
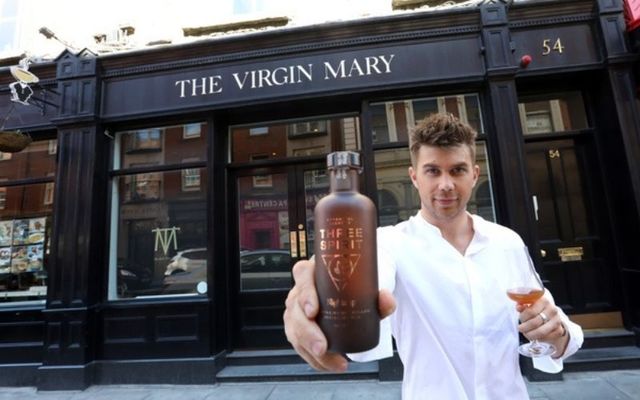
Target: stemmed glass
525	291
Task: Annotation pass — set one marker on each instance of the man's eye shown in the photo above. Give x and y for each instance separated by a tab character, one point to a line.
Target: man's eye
459	170
431	171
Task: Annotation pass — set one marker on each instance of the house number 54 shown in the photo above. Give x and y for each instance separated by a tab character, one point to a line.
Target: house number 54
547	47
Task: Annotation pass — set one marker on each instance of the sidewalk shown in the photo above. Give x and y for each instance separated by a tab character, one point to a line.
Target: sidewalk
607	385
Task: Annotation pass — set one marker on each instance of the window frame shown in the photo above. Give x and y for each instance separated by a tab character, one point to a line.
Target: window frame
115	172
481	140
49	179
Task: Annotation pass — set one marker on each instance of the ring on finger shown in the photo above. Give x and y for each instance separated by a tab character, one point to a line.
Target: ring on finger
544	317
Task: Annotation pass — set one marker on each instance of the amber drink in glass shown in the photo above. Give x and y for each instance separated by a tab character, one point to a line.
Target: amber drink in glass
526	290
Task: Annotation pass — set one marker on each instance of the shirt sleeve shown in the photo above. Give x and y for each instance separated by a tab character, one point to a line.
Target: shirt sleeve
576	338
386	280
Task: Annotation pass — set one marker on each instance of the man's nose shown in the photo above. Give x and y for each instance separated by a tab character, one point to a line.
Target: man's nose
446	183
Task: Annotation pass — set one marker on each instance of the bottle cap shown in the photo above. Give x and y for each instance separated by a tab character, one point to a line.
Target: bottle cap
343	159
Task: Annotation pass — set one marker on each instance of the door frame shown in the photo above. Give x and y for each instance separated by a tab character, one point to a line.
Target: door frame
584	141
296	206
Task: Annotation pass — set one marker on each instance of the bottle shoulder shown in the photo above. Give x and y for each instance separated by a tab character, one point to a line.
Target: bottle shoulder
346	198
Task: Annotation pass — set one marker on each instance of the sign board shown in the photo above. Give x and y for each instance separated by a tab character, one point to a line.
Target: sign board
555	47
348	70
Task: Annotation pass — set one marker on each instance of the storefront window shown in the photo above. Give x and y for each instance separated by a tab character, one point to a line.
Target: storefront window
397	198
25	222
392	120
158	242
560	112
294	139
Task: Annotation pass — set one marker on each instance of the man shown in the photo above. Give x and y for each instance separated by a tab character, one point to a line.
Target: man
448	272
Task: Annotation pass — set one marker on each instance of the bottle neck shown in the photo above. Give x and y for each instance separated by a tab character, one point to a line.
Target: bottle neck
344	179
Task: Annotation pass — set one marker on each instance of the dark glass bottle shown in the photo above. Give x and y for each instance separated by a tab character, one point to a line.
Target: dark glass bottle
346	262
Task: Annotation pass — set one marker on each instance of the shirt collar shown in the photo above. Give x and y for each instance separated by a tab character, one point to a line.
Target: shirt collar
480	238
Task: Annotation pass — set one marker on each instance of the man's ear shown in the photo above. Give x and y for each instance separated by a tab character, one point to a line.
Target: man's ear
476	174
412	175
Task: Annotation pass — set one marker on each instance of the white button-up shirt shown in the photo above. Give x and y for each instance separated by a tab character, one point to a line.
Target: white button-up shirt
455	328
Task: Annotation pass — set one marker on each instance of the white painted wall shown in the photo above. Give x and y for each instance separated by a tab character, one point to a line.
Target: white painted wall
77	21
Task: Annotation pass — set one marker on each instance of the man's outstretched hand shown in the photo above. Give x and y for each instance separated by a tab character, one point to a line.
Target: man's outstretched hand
300	320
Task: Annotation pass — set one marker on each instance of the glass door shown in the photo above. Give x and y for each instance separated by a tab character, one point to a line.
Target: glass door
274	230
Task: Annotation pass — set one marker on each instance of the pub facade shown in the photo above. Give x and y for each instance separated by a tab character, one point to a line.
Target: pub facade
148	232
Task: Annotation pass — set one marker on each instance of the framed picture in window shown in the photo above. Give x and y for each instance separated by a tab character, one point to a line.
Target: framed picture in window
20	231
6	233
5	260
36	230
19	260
34	257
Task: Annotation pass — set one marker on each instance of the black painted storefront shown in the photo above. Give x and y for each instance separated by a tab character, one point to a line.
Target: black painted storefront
79	337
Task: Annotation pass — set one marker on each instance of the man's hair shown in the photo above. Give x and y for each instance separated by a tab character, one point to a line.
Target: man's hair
441	130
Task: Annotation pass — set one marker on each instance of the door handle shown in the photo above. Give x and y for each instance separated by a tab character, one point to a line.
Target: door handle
302	235
293	244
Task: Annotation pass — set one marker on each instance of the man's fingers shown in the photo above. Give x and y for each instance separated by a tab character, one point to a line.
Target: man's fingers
303	275
386	303
541	321
329	362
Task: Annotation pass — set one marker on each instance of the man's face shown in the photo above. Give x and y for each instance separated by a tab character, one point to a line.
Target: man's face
445	178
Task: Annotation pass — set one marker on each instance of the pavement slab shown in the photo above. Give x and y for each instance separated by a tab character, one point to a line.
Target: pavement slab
605	385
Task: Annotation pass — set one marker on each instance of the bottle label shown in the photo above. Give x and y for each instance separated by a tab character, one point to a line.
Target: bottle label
341	245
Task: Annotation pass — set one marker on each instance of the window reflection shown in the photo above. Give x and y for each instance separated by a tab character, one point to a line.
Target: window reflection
161	244
25	222
294	139
161	146
552	113
392	120
398	199
158	229
36	161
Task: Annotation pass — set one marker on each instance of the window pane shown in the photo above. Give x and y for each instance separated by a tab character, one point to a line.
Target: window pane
553	113
159	236
398	199
482	202
295	139
191	131
392	120
263	220
161	146
25	230
33	162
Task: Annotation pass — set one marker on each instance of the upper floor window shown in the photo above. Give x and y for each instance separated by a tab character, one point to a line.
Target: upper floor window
145	139
300	138
307	128
560	112
392	120
35	161
191	131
